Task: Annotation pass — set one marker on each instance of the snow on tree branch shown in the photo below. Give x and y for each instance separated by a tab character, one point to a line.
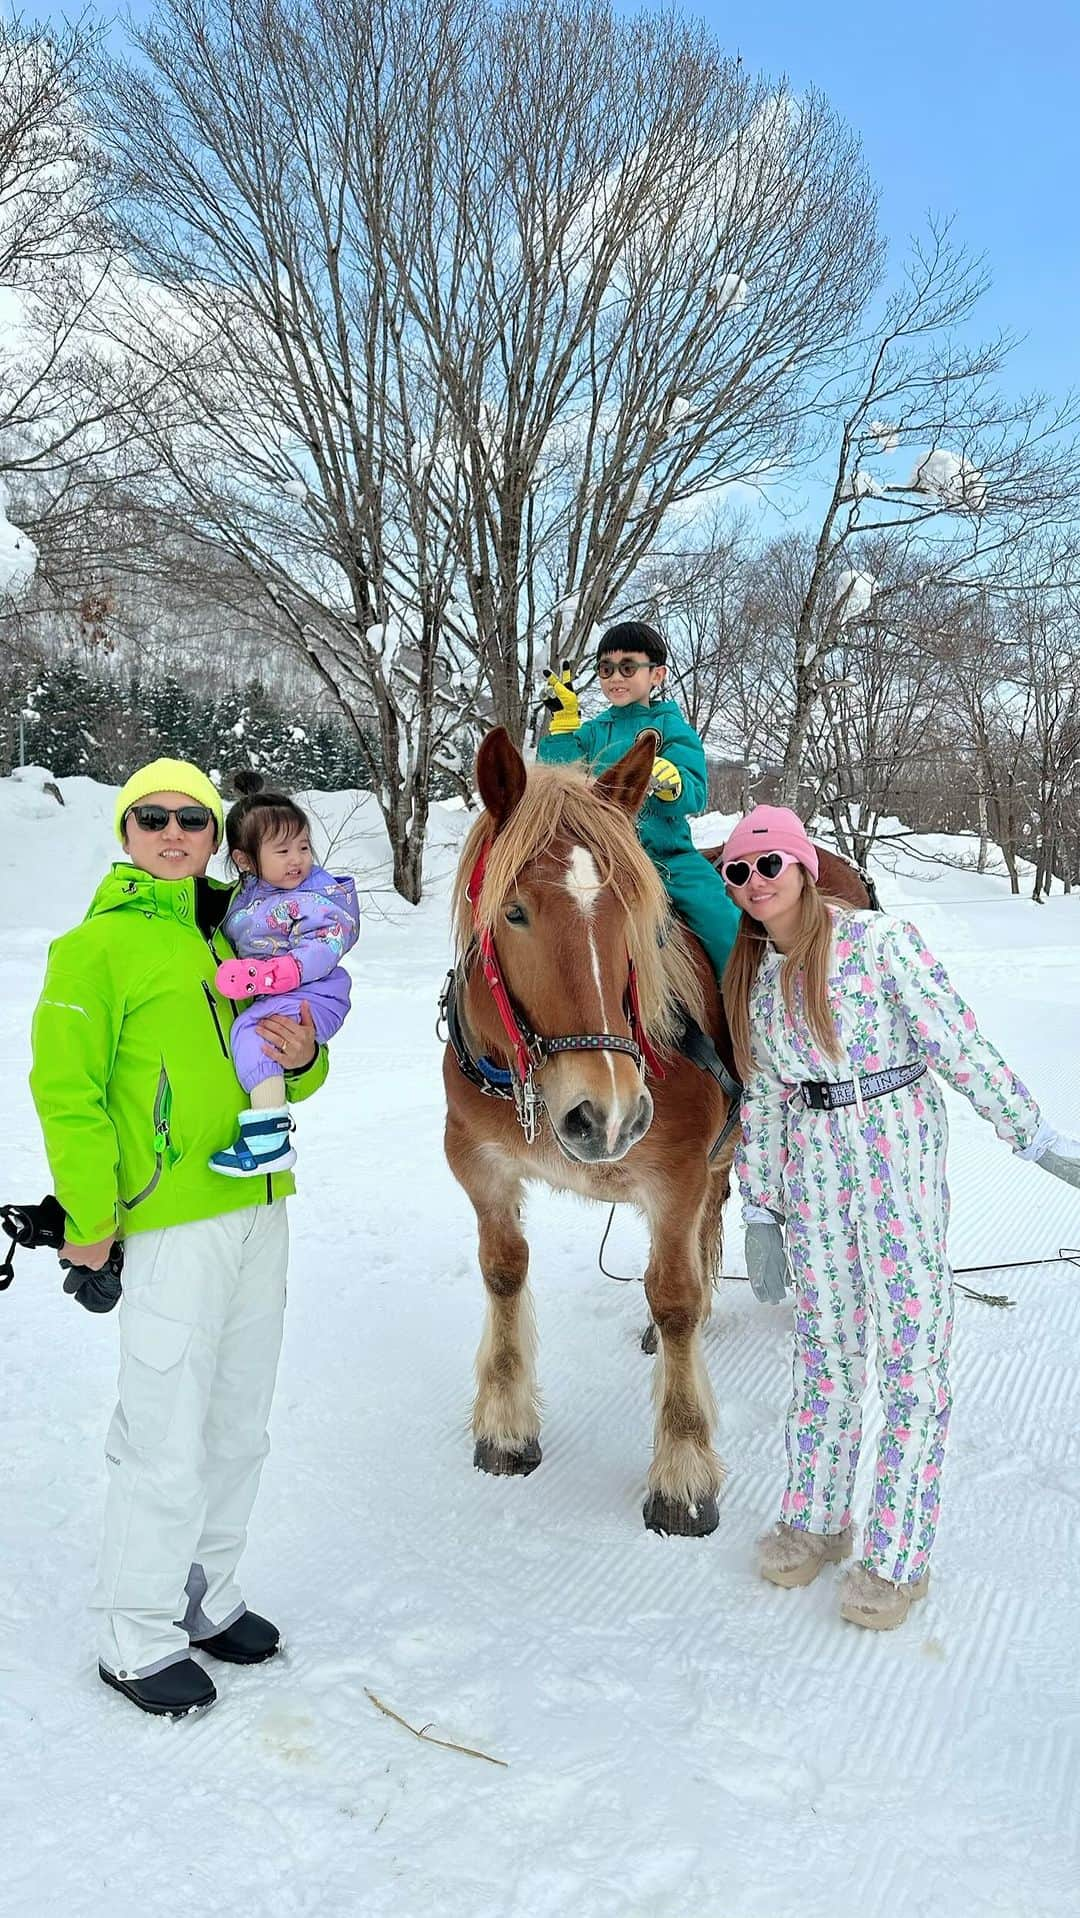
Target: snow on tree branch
886	435
854	595
18	557
950	478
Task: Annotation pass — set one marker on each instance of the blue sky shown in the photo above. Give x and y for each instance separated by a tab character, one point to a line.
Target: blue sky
965	107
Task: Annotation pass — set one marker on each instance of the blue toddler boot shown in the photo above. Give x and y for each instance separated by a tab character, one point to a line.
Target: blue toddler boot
262	1146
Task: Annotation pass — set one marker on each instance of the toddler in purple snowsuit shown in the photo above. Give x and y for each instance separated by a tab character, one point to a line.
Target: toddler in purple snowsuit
291	922
310	929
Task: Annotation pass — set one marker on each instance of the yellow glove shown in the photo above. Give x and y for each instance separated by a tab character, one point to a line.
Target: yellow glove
563	702
666	781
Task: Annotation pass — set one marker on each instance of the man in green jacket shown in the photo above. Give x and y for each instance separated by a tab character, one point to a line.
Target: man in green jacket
134	1086
632	666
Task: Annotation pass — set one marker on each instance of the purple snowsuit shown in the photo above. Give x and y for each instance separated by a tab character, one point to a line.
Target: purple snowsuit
314	924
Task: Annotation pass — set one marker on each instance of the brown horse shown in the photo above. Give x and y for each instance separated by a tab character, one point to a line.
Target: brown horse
570	986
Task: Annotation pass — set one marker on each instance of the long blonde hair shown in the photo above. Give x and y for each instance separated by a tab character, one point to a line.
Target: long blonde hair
808	956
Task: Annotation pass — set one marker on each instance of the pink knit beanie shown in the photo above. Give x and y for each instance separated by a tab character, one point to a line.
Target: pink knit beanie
771	829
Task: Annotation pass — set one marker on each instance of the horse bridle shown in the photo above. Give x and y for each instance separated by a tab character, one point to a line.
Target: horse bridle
529	1050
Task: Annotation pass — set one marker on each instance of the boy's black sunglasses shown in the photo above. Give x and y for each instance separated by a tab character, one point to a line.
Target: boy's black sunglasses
156	818
626	668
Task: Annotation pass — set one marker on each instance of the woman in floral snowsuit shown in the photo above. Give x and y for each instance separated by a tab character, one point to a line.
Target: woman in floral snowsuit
828	998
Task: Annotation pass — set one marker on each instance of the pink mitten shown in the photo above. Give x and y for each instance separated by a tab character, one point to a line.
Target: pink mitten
249	978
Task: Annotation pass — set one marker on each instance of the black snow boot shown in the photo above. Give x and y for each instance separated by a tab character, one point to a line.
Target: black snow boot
172	1693
249	1640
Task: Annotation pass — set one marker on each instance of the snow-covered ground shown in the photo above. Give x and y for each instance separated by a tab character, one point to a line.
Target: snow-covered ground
680	1741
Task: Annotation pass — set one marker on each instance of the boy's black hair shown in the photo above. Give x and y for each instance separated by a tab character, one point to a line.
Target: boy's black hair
259	815
633	636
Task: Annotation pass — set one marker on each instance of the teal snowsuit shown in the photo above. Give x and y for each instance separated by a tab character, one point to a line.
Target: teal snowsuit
694	887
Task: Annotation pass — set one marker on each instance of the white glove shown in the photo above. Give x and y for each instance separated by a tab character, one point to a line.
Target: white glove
1056	1153
766	1260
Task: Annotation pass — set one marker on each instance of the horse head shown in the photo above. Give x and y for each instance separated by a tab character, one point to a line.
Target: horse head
555	878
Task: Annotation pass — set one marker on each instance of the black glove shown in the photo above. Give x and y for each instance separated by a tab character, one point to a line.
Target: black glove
32	1226
97	1291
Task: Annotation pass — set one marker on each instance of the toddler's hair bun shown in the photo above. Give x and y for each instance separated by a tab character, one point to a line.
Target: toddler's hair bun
247	781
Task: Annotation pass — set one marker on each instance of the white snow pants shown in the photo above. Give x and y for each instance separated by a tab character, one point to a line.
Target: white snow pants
200	1331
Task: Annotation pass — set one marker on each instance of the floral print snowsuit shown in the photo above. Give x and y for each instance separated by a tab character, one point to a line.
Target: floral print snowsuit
866	1203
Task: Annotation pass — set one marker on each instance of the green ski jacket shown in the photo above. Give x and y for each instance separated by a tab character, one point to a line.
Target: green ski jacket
132	1075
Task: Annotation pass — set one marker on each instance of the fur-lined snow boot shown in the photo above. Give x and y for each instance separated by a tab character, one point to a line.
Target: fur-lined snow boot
788	1556
867	1599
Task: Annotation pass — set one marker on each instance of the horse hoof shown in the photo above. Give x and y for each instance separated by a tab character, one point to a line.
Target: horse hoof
489	1457
650	1339
673	1519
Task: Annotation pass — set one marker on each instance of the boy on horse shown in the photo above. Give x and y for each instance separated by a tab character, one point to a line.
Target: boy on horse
631	662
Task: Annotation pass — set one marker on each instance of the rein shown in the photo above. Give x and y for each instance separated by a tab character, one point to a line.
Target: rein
528	1049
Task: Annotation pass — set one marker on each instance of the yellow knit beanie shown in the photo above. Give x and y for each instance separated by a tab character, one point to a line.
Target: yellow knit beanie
169	776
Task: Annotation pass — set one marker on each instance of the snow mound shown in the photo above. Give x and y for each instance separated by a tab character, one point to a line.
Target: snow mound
36	776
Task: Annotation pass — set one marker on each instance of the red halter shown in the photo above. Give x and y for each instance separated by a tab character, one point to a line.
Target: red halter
528	1049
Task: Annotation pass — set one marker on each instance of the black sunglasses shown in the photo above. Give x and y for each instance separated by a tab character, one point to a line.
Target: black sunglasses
156	818
626	668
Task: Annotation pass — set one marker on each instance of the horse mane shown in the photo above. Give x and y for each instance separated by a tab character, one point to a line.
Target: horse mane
560	802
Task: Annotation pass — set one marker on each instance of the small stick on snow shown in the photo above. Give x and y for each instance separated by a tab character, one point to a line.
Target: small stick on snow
984	1298
448	1744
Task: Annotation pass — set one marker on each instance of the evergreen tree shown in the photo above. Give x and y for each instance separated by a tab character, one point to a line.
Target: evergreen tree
79	718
